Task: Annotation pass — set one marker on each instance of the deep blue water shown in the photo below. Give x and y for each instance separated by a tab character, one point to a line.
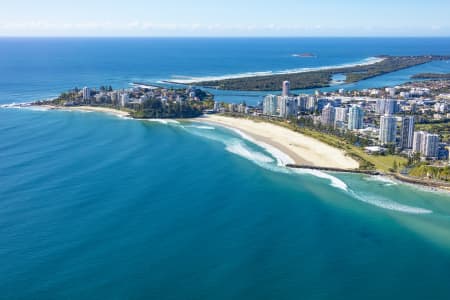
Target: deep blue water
95	206
44	67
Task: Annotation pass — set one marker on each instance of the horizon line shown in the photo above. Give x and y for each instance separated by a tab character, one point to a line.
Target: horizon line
218	37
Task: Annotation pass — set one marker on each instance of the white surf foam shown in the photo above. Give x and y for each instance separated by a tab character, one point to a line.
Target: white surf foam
22	105
389	204
82	111
201	127
382	179
123	117
162	121
238	148
334	181
35	108
282	158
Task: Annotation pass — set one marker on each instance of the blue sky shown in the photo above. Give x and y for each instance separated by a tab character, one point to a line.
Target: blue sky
225	18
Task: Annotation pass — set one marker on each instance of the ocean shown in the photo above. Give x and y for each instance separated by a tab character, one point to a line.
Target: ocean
98	206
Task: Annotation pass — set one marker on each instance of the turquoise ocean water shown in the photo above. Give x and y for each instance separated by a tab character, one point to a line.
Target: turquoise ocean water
97	206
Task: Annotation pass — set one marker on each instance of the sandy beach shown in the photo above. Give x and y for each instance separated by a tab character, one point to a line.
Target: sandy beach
301	148
91	109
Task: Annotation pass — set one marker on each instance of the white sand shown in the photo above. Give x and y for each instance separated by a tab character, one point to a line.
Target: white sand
301	148
92	109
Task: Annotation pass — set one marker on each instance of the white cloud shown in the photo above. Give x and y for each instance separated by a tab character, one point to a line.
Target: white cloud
145	28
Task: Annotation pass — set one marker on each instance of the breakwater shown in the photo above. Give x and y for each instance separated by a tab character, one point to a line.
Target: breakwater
356	171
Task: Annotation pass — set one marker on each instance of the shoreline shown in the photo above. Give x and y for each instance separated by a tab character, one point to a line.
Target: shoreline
302	150
189	80
300	160
290	158
84	108
310	78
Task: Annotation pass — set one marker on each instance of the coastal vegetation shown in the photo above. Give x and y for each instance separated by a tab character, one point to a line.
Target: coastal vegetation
431	76
140	102
423	170
321	78
154	108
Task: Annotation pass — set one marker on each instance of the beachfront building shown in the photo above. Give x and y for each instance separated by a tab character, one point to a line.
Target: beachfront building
321	103
388	129
302	102
286	88
328	115
426	144
386	106
407	133
341	114
419	138
288	106
124	99
355	118
86	93
216	106
340	117
391	91
391	107
311	103
115	96
270	105
241	108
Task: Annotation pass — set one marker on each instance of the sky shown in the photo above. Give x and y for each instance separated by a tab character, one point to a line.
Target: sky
224	18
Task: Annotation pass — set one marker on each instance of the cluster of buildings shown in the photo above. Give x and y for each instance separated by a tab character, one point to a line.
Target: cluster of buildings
126	97
387	121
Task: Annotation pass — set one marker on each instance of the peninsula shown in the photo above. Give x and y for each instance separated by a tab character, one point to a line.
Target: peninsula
390	130
321	77
139	102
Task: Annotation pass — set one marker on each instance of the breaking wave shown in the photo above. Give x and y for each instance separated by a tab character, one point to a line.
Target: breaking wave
188	79
334	181
389	204
201	127
381	179
162	121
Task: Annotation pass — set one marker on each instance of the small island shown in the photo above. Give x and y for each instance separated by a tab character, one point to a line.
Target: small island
140	102
305	55
322	77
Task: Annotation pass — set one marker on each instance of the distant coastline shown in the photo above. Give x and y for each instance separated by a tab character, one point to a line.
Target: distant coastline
431	76
192	80
308	78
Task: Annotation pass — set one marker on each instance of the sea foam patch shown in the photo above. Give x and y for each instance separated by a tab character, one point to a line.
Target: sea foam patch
381	179
389	204
334	181
163	121
240	149
201	127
